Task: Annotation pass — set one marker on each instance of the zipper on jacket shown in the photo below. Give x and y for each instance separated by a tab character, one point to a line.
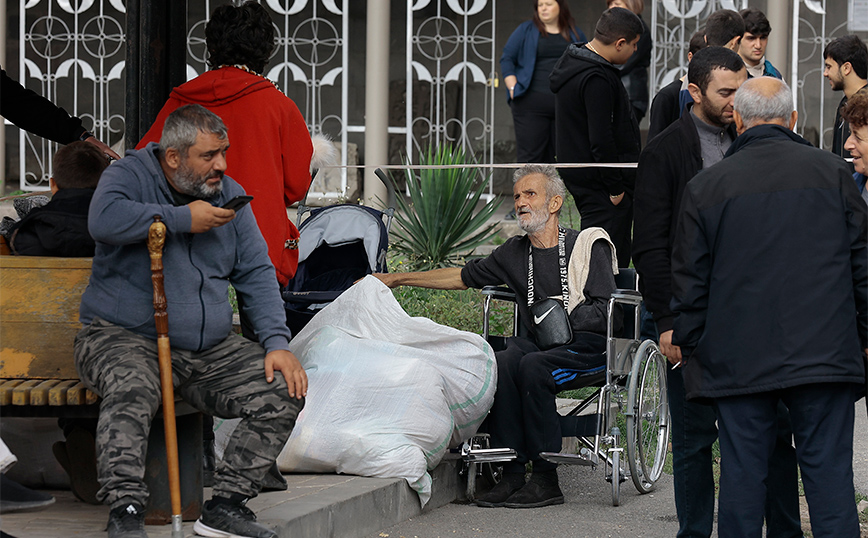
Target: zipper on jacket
201	286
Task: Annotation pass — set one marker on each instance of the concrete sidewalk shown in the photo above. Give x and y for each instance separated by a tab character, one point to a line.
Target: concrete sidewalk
314	506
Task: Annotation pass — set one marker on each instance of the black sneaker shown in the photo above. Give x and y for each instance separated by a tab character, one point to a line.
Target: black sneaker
14	497
535	495
127	522
225	520
497	496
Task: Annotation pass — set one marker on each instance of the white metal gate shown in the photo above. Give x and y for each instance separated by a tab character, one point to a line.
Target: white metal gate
73	52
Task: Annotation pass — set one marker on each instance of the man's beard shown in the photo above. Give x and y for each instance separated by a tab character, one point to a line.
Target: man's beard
535	222
190	183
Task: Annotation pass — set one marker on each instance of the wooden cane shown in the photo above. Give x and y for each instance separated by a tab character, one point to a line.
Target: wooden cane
156	240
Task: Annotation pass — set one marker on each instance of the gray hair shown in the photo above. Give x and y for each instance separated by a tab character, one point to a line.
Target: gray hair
184	125
554	184
756	106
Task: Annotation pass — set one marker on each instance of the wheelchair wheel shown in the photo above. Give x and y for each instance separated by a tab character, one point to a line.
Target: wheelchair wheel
648	418
616	478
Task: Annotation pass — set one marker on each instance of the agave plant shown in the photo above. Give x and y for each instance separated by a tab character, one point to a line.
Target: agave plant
440	222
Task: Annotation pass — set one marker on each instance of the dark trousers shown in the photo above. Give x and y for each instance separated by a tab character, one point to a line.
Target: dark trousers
596	209
534	117
524	415
694	431
822	419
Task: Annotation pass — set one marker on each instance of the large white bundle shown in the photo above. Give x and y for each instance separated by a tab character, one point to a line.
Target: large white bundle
388	393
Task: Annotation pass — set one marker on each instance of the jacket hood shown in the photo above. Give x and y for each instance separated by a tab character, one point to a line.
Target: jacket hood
221	86
576	60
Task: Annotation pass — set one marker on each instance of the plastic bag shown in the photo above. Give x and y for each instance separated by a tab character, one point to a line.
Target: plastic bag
388	394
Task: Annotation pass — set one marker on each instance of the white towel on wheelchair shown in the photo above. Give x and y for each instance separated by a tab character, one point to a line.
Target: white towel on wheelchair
580	263
388	394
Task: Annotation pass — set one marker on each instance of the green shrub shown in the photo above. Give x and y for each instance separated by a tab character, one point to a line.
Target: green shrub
440	222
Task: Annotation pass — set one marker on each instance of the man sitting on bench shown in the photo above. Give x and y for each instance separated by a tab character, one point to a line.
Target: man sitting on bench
207	248
524	416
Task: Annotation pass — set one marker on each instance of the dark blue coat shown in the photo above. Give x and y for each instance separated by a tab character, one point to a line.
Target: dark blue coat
519	55
770	270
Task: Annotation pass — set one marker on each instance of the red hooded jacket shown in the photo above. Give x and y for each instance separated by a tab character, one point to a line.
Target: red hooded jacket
270	154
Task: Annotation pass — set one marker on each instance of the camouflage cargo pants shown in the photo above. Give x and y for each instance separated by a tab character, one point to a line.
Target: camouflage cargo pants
227	381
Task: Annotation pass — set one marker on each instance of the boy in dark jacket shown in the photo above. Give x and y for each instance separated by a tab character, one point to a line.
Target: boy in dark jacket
596	125
59	228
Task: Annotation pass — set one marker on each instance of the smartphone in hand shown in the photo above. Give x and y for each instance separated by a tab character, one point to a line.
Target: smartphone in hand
237	202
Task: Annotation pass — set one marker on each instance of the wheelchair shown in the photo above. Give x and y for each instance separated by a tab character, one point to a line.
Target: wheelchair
629	408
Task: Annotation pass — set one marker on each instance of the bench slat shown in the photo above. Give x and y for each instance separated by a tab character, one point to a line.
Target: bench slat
6	390
21	393
76	394
57	393
39	394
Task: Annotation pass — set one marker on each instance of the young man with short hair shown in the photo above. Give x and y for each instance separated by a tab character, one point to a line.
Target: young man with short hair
846	67
752	47
59	228
596	125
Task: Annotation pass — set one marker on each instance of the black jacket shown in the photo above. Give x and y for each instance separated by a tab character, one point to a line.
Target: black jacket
667	163
508	265
59	228
770	270
664	108
595	121
36	114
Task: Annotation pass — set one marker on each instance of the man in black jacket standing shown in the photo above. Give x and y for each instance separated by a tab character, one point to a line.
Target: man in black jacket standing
696	141
596	125
780	314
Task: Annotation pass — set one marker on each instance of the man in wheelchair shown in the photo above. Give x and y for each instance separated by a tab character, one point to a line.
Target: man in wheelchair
562	280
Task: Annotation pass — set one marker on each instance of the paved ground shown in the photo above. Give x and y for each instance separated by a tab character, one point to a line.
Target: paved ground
318	506
588	511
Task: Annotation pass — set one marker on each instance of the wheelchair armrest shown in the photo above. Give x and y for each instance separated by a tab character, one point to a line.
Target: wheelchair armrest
501	293
631	297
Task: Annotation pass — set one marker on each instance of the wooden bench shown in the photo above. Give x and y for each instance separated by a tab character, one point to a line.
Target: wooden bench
39	302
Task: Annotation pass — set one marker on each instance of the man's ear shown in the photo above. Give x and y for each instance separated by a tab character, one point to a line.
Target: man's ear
695	93
173	158
52	185
846	68
794	117
739	122
555	203
733	43
620	43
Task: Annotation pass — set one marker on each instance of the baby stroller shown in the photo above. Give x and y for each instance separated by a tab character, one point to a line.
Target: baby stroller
337	245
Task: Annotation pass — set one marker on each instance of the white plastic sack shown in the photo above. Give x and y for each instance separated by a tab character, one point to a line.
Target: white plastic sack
388	394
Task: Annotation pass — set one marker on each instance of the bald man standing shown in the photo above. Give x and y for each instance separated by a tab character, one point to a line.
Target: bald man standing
781	313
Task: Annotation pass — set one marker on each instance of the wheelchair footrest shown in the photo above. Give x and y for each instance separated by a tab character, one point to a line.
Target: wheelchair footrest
485	455
568	459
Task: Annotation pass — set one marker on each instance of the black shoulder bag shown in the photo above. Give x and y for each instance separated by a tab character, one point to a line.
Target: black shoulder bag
551	322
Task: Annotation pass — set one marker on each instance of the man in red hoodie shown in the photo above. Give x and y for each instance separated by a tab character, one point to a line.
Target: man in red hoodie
272	147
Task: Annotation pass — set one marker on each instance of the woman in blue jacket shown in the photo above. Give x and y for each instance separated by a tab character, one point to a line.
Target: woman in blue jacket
528	58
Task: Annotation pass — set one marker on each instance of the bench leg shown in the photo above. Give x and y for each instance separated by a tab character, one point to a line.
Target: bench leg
190	454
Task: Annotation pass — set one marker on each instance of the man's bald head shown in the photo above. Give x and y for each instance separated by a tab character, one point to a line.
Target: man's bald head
764	100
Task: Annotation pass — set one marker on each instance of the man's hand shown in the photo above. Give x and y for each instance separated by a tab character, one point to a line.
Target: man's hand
296	378
206	216
616	199
673	353
103	148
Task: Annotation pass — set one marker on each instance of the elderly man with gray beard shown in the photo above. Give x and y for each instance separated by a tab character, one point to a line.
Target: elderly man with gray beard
550	261
770	289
